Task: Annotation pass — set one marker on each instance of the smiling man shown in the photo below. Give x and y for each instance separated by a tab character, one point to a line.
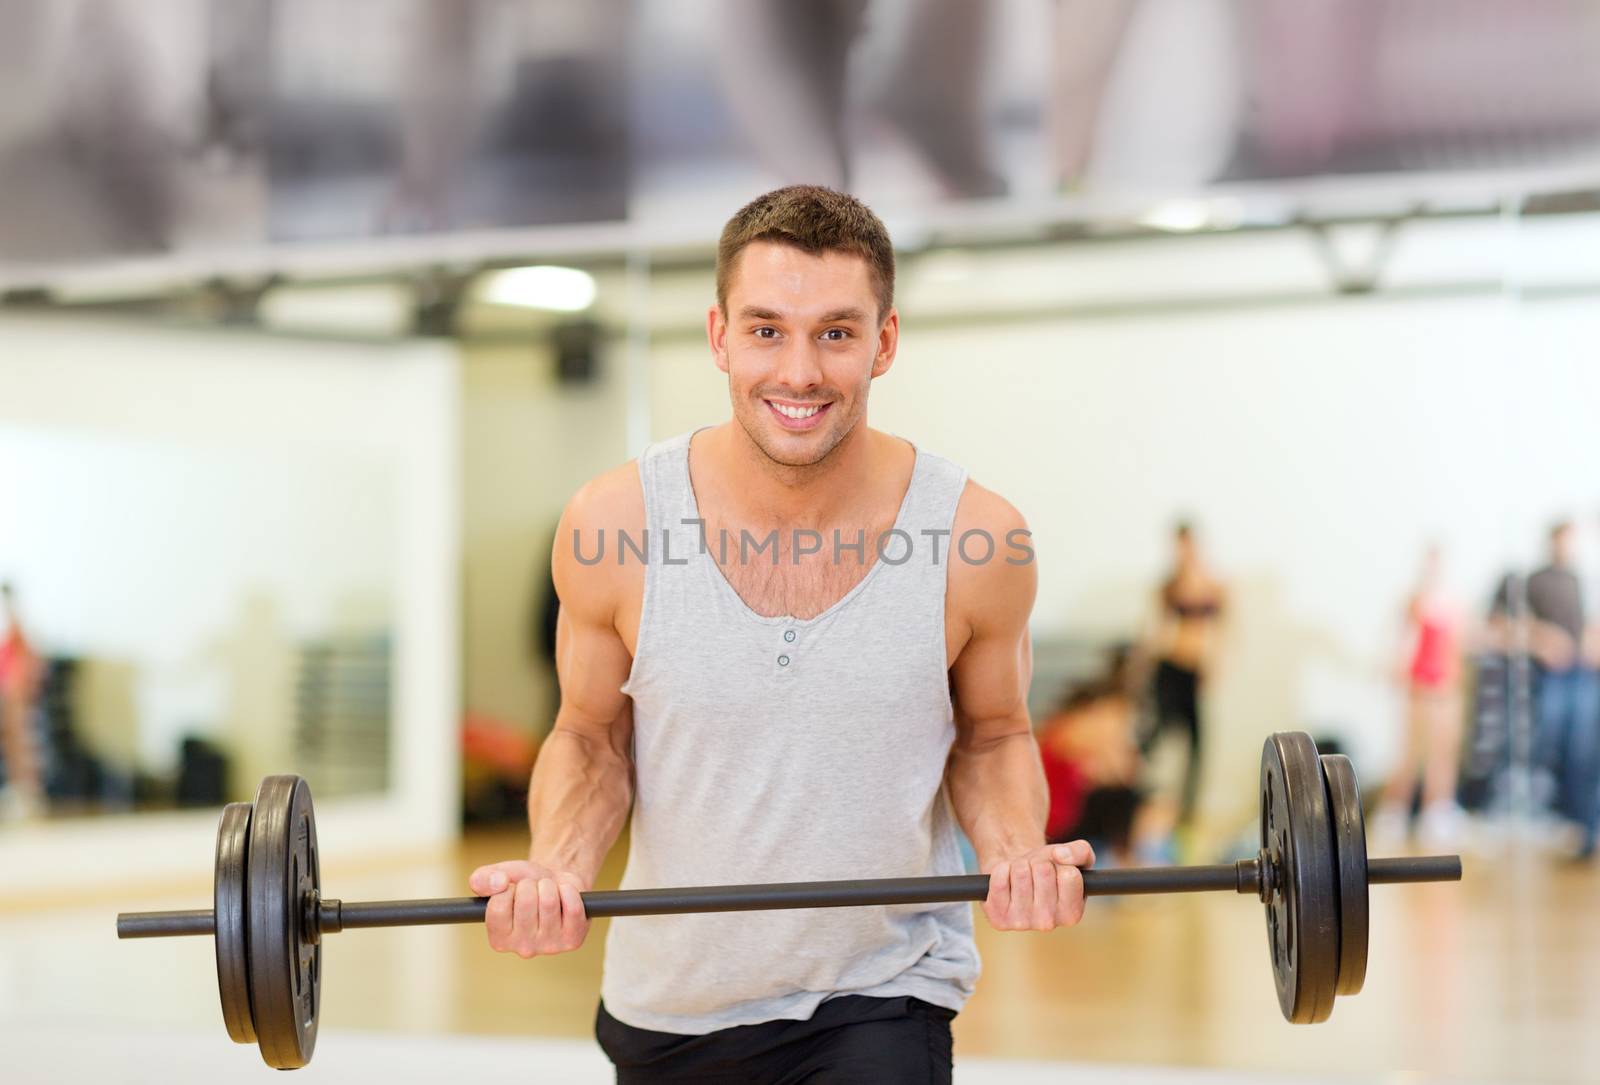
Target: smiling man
801	654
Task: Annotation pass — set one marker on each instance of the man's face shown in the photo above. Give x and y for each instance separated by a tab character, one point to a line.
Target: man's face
801	344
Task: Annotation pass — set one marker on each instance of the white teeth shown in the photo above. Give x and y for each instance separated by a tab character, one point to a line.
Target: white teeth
795	412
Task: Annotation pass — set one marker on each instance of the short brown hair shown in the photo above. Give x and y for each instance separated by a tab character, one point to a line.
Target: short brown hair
815	220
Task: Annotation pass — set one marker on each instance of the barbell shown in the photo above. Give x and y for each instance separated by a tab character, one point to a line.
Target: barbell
268	915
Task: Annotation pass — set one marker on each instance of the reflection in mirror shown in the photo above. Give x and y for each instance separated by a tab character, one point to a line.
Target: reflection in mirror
182	620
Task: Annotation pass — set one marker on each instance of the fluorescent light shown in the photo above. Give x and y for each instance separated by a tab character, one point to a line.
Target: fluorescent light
1178	216
362	309
563	289
1185	216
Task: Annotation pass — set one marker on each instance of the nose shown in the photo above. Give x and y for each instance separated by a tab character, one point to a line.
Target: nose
798	368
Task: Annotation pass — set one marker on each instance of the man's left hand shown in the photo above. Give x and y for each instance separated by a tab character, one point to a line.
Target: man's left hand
1039	890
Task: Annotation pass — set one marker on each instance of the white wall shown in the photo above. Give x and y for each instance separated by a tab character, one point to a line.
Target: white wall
1318	446
202	404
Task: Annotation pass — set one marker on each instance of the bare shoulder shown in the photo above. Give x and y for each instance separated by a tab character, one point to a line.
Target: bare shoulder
993	576
980	508
612	499
589	579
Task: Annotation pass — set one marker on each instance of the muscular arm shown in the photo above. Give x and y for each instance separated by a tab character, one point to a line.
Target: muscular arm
995	778
583	780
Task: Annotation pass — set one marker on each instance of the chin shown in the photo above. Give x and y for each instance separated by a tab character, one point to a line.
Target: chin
783	450
794	449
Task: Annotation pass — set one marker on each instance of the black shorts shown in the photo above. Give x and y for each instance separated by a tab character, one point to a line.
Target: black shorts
851	1039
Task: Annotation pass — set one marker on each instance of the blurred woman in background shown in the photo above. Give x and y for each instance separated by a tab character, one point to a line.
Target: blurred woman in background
1432	745
1183	640
20	672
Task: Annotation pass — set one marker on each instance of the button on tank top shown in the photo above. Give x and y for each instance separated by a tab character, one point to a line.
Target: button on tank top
772	749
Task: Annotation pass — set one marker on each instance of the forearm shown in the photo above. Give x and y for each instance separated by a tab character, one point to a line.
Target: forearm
997	788
581	791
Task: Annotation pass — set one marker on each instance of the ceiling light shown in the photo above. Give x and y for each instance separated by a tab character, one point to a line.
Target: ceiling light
562	289
1178	216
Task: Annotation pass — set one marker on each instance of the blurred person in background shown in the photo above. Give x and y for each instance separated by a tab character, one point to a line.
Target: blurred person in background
1431	674
1546	615
1092	767
1182	640
20	673
1587	804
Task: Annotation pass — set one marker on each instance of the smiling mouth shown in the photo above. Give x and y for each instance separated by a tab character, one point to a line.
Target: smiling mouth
797	416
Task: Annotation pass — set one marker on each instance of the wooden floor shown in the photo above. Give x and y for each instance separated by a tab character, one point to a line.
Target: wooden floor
1494	979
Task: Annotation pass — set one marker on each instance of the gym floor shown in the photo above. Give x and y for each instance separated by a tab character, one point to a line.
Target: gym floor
1495	979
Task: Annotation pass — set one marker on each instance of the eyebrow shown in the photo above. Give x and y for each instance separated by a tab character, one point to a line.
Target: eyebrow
836	316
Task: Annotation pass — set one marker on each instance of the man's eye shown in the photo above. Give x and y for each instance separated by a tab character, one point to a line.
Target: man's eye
836	335
766	332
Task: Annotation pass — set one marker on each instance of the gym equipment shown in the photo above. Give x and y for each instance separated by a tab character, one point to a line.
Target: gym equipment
269	914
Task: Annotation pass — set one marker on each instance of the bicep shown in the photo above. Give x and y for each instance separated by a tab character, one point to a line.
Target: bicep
990	680
591	666
592	660
990	677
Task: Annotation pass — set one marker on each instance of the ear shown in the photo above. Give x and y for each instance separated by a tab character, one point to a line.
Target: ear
717	334
888	343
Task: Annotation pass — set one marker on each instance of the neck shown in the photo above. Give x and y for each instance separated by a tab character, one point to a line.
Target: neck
804	495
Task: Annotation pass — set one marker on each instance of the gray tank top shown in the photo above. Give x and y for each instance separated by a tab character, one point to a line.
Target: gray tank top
772	749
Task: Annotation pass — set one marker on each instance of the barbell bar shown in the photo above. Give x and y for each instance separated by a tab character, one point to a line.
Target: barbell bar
269	915
334	916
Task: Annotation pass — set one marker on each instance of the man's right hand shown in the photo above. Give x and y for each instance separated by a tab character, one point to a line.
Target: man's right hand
533	910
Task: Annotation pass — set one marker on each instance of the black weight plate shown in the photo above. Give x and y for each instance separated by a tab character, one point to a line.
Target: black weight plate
285	960
1303	906
1350	854
229	907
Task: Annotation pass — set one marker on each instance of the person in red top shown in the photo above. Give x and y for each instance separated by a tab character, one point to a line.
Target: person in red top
1065	748
1432	676
1091	767
20	672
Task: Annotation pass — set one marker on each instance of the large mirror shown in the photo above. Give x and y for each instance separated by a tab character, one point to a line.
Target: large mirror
183	619
217	549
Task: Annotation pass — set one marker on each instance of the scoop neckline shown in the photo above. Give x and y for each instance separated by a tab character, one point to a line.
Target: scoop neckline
788	619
